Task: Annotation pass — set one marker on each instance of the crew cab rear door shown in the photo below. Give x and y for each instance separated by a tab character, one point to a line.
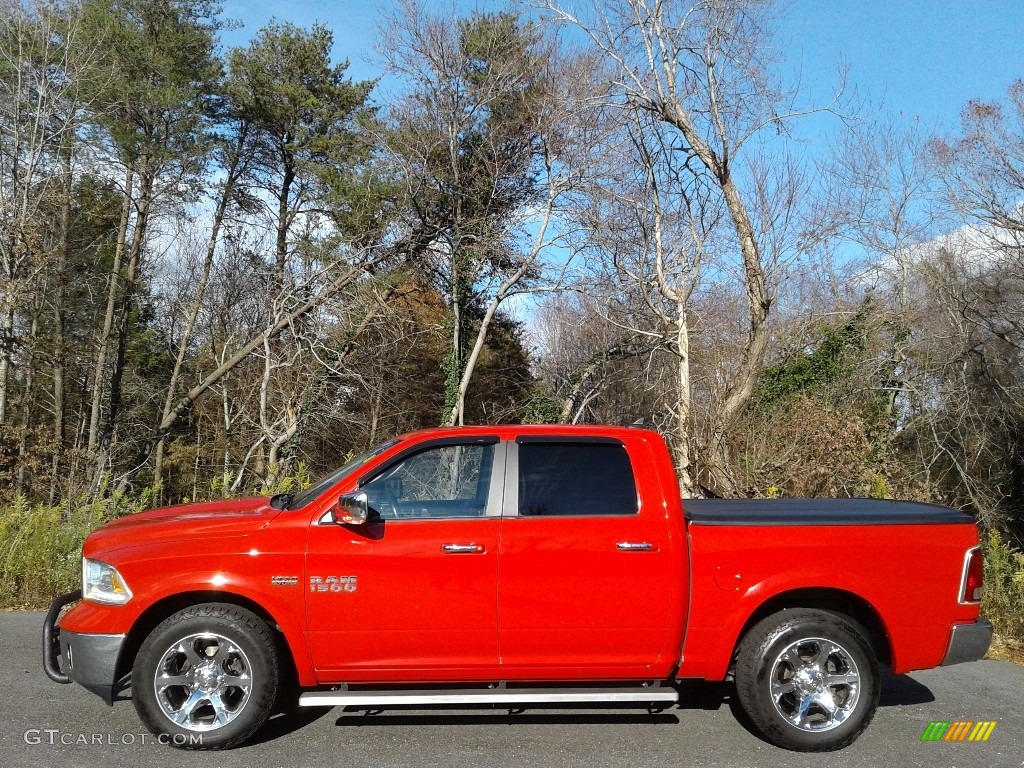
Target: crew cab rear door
589	581
410	595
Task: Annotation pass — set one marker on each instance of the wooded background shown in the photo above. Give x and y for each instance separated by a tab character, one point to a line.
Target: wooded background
224	271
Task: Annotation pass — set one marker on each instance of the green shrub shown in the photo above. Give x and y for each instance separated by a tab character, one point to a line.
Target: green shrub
299	481
1003	603
41	547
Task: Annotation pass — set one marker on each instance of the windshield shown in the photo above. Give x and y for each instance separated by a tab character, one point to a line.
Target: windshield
305	497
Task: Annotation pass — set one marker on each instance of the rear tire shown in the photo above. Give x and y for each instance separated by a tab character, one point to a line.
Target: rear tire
206	677
807	679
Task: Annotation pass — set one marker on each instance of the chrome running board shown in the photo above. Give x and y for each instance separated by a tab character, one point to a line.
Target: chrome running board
489	696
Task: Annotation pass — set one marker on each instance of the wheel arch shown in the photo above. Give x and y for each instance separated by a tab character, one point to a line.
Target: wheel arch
827	599
171	604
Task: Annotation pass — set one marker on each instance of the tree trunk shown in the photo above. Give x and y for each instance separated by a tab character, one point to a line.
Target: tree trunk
454	396
572	400
26	406
228	424
283	220
103	346
739	391
759	302
457	414
146	181
6	351
59	345
683	410
227	192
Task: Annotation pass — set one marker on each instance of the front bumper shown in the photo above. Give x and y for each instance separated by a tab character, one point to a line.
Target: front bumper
88	659
968	642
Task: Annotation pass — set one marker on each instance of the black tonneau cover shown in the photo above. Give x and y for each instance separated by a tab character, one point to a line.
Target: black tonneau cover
819	512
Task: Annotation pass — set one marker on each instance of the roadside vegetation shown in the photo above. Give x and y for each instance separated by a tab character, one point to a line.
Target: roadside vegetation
224	270
1004	596
41	549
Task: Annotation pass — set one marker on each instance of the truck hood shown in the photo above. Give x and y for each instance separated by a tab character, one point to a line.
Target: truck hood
232	517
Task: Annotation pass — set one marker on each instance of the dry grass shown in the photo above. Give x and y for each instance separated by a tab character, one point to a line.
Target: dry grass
1004	649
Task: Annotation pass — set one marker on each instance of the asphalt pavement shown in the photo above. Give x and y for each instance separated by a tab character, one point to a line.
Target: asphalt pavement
45	724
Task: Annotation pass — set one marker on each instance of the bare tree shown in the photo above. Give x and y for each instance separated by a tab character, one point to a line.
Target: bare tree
589	364
651	220
970	337
231	154
965	387
698	75
881	194
288	310
983	168
39	113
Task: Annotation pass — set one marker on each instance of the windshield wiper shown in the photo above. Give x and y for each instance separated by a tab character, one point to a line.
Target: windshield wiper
281	500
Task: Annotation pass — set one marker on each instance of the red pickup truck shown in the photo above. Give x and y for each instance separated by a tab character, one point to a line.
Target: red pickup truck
516	565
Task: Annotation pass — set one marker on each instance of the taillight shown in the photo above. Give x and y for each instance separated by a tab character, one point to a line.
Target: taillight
974	575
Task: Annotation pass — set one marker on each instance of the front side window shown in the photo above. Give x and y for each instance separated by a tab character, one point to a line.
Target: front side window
575	479
437	482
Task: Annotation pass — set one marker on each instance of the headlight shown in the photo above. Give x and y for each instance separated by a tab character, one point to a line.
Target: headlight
101	583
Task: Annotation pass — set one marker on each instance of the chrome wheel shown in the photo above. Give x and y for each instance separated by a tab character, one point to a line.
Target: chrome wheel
814	684
807	679
202	682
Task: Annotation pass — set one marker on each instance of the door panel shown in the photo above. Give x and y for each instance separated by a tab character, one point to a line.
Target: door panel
588	595
411	596
414	609
572	603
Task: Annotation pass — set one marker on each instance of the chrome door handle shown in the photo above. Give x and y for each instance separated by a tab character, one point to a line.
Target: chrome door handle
462	549
636	546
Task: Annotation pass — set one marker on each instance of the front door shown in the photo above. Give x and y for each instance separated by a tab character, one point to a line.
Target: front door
411	595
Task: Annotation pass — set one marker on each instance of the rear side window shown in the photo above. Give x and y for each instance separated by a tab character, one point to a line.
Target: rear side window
575	479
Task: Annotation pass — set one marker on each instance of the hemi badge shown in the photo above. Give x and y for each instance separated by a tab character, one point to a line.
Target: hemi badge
284	581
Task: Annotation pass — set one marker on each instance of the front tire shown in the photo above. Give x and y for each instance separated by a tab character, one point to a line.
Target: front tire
206	677
807	679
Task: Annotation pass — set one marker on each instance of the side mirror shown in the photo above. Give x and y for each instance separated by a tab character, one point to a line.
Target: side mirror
353	508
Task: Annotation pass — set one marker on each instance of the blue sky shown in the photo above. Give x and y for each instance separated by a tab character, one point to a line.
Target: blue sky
921	58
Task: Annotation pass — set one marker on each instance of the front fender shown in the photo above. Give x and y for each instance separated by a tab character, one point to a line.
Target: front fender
247	579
